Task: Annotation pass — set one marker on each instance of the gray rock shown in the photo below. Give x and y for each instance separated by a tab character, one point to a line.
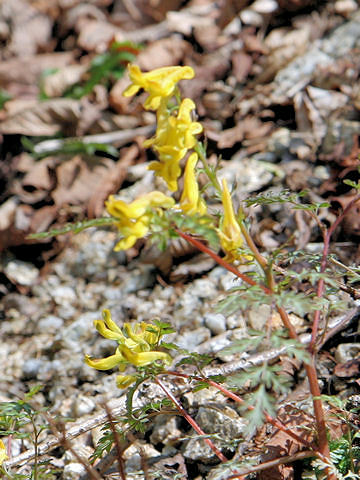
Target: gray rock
213	419
346	352
21	272
83	405
77	332
50	324
73	471
190	339
31	368
216	322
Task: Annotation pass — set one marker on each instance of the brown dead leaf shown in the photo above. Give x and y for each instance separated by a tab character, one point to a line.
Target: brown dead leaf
163	52
12	70
111	182
249	128
78	178
242	63
46	118
351	221
348	369
280	444
30	29
55	85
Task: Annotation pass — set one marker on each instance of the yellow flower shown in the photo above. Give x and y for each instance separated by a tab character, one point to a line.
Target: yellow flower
229	232
190	201
175	135
134	218
141	359
136	346
123	381
159	83
3	455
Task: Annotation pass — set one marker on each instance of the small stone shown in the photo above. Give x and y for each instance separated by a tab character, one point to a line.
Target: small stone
83	406
31	368
79	331
190	339
50	324
64	295
22	273
344	7
216	322
73	471
346	352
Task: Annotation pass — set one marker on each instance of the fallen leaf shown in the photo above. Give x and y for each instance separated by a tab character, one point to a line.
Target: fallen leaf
78	178
45	118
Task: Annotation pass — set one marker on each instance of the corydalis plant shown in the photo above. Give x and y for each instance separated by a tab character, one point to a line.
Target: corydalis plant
138	345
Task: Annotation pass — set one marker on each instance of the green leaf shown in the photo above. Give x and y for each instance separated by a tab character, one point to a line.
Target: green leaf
74	227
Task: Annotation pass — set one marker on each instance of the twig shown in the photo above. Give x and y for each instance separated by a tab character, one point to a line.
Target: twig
118	446
120	137
274	463
190	420
61	436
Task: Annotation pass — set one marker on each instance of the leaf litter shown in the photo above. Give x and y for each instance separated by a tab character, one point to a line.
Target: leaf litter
277	90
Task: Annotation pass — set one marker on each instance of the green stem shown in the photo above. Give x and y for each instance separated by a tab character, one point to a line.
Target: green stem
199	149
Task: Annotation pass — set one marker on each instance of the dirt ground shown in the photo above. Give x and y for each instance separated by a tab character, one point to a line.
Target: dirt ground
277	91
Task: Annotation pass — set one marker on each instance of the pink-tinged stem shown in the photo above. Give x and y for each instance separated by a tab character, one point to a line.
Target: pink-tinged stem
323	445
190	420
236	398
321	285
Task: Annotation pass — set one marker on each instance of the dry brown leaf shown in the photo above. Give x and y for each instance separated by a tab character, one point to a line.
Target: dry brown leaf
78	178
46	118
163	52
351	221
55	85
12	70
280	444
111	182
30	29
348	369
249	128
241	63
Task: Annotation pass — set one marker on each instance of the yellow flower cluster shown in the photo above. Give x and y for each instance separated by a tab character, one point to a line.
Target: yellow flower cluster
136	345
134	218
175	134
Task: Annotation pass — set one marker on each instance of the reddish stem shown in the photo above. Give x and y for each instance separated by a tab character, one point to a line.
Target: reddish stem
190	420
310	368
321	285
276	423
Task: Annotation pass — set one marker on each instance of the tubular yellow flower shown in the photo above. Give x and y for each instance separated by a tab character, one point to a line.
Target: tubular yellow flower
136	346
174	137
159	83
134	218
123	381
3	455
229	232
190	201
105	363
142	359
108	328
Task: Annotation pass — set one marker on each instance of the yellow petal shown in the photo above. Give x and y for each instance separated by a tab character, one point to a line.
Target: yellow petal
106	332
3	455
190	201
144	358
105	363
109	321
123	381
